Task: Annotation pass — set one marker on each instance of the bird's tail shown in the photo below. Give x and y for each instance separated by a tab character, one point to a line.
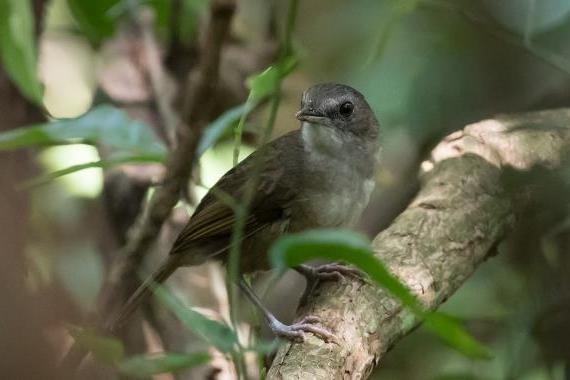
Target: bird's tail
142	293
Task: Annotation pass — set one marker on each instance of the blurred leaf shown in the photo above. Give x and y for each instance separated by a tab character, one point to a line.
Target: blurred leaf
395	12
260	86
264	347
338	245
458	376
18	47
105	349
80	270
42	180
104	125
148	365
94	17
189	14
267	82
353	248
162	11
213	132
216	333
519	16
87	129
451	332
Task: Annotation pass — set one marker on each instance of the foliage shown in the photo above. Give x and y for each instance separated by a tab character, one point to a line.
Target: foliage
147	365
130	141
105	349
18	48
110	351
94	18
426	66
218	334
353	248
104	125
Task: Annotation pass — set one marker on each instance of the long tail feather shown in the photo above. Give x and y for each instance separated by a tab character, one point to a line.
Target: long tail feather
142	293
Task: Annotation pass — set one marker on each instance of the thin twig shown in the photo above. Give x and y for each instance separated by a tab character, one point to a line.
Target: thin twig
157	75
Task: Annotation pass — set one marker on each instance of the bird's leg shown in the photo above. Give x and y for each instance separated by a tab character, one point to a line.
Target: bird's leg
325	272
294	332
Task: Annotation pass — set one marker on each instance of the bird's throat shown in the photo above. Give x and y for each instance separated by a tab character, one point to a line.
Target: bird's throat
321	139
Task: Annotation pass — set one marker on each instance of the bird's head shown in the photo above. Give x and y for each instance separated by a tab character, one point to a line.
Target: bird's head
339	107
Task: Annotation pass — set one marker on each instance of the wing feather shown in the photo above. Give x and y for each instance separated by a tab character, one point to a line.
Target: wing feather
213	219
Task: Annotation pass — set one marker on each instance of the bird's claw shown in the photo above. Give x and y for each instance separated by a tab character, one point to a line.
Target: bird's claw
326	272
335	272
296	331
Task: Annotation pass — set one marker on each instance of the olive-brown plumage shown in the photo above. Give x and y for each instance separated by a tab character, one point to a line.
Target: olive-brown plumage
318	176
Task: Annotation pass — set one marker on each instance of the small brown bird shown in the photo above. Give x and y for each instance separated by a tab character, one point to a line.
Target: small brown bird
315	177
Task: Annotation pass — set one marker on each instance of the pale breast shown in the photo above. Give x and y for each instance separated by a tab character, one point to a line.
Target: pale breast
335	191
340	207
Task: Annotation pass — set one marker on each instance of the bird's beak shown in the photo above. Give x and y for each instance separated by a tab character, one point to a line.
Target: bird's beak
310	116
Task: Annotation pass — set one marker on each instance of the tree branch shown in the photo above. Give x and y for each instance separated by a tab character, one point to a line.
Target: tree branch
461	214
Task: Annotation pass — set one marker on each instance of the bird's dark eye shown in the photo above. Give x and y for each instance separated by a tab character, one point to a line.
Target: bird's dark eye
346	109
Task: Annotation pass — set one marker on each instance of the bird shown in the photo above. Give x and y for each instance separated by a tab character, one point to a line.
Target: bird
320	175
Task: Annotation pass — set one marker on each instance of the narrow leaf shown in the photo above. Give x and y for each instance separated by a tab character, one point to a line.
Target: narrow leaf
94	18
452	333
148	365
267	82
260	86
337	245
105	349
216	333
18	47
213	132
44	179
105	125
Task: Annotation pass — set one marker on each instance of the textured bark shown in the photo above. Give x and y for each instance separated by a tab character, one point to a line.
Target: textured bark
461	214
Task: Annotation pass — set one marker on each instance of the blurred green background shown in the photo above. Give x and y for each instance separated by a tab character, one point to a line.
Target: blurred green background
427	68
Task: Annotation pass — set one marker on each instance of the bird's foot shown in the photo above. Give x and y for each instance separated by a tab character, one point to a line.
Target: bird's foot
328	272
325	272
296	331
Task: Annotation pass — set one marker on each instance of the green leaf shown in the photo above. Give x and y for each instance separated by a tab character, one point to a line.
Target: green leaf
189	14
452	333
338	245
163	16
42	180
105	125
264	347
148	365
216	333
260	86
105	349
353	248
94	18
391	15
267	82
213	132
18	47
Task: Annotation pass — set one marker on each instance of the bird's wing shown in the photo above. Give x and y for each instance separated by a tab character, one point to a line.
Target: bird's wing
213	219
